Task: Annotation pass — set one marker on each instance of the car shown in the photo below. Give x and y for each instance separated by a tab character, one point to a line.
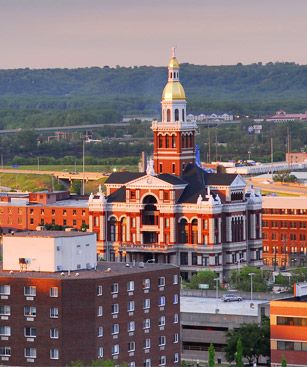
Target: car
230	297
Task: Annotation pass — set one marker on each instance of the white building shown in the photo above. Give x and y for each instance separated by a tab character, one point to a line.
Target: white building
49	251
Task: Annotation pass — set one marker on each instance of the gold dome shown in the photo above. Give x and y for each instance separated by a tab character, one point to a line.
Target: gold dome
173	90
173	63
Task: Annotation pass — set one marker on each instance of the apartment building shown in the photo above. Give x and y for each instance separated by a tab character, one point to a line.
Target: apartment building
124	312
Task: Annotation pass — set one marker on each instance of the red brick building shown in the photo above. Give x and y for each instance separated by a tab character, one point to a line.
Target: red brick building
284	231
176	212
119	312
26	212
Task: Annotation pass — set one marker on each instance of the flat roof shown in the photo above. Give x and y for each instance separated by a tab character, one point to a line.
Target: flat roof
203	305
104	269
51	234
284	202
24	202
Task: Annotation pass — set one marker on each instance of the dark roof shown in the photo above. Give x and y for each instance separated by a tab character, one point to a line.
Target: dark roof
221	178
118	196
123	177
172	179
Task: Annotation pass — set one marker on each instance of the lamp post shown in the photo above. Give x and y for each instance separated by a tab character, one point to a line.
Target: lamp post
83	167
251	275
216	288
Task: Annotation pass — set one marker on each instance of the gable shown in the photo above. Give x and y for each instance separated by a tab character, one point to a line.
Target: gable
149	182
238	182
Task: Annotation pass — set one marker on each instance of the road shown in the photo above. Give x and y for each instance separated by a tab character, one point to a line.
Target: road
282	188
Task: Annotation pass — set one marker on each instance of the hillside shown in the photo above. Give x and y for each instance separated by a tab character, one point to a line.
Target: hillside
65	96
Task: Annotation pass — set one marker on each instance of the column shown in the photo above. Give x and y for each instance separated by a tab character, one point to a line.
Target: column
260	225
172	230
211	231
228	229
90	223
244	228
161	233
199	231
128	229
220	231
102	227
253	226
138	229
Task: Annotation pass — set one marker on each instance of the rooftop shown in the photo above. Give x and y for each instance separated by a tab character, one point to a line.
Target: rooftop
73	203
104	270
209	305
50	234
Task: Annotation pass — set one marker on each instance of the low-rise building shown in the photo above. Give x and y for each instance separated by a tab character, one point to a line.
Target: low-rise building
206	321
124	312
288	318
284	227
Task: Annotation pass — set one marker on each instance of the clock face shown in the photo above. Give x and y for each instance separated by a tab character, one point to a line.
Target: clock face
149	180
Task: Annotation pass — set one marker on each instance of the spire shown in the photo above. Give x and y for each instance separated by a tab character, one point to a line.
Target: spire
173	52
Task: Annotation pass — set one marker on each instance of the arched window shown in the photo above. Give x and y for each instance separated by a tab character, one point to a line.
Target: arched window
176	114
168	115
150	214
182	141
173	141
183	231
183	116
112	229
191	141
123	230
166	141
171	75
194	231
160	141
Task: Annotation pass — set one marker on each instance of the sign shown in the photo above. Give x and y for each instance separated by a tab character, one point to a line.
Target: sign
203	286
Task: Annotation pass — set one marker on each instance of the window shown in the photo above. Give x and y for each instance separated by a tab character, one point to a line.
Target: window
161	320
99	311
131	326
131	306
54	353
5	351
5	330
5	290
161	282
162	361
176	338
131	346
175	279
131	364
146	304
175	299
162	340
100	331
54	292
100	352
146	283
30	332
54	312
115	308
30	311
114	288
162	301
115	329
176	318
146	324
30	290
5	310
147	362
99	290
54	333
30	352
115	349
147	343
176	357
130	286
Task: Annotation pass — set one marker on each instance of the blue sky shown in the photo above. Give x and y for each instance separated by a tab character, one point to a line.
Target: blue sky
77	33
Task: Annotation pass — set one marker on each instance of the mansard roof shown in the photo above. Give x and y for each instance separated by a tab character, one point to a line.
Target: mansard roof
172	179
123	177
118	196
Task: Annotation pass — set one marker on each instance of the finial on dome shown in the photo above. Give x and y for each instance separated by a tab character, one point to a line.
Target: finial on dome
173	51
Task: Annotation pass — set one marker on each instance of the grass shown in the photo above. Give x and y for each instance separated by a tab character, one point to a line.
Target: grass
278	193
33	182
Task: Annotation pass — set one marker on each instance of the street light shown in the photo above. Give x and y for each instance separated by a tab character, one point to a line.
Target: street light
217	288
251	275
83	166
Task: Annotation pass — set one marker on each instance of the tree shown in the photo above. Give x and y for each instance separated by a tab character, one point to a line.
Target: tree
255	341
203	277
75	187
241	280
239	353
211	358
283	362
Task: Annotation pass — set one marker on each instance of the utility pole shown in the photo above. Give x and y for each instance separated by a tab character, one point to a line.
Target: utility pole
272	157
215	144
209	145
83	167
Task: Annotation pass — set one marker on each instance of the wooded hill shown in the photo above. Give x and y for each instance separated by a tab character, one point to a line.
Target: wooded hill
47	97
